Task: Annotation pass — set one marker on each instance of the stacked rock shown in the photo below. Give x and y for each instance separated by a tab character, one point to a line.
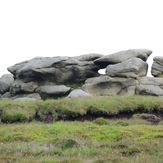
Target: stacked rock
54	77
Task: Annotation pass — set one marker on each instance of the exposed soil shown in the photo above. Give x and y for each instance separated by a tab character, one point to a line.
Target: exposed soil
154	117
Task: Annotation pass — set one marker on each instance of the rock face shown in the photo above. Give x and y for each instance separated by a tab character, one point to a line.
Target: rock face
122	56
157	66
131	68
56	70
5	82
105	85
78	93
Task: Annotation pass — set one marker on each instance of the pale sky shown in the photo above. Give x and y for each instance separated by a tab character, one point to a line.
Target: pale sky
48	28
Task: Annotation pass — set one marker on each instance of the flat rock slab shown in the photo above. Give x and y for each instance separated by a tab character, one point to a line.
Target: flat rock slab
53	90
131	68
122	56
25	99
78	93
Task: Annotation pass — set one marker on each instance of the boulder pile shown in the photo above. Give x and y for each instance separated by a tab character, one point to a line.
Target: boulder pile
54	77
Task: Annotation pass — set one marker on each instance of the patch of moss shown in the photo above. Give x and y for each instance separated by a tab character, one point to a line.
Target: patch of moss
100	121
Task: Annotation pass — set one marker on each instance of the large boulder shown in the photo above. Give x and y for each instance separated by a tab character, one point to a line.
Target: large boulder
18	86
105	85
58	70
131	68
5	82
157	67
78	93
121	56
53	91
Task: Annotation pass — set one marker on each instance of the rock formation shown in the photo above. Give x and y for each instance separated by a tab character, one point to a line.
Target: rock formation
59	76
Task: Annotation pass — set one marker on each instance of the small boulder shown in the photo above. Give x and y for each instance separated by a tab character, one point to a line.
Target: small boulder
122	56
53	91
5	82
25	99
131	68
78	93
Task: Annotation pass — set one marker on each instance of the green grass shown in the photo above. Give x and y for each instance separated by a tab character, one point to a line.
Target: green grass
136	138
66	109
80	142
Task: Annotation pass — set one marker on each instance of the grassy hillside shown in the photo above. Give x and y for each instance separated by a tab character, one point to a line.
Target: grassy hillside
94	130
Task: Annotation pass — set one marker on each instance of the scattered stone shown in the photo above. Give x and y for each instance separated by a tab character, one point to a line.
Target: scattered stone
157	67
78	93
121	56
131	68
5	82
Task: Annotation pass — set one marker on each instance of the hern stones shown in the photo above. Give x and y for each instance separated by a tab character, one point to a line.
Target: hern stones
55	77
157	67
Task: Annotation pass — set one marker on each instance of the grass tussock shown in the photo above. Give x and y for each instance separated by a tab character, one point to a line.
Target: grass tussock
67	109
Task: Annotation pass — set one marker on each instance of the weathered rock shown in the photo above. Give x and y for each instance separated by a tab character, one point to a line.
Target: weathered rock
55	91
150	90
25	99
6	95
56	69
78	93
151	81
131	68
150	86
5	82
122	56
88	57
31	95
105	85
157	67
19	86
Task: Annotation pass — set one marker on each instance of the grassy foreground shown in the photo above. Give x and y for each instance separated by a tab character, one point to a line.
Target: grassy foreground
114	138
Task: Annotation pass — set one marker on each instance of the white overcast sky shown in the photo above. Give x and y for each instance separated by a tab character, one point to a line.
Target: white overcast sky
47	28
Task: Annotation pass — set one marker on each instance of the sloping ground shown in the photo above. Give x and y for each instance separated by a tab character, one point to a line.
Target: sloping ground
79	109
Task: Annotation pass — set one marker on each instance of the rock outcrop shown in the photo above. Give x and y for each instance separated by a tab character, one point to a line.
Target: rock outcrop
57	76
56	70
157	67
